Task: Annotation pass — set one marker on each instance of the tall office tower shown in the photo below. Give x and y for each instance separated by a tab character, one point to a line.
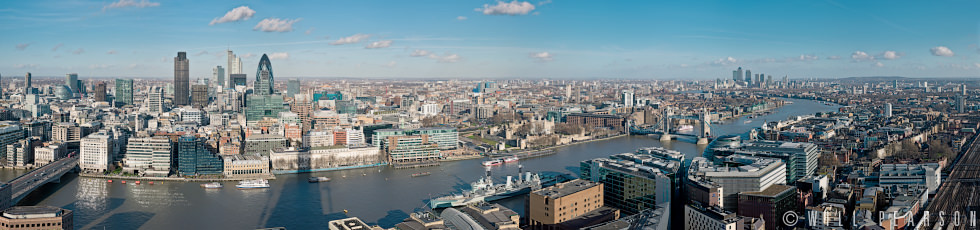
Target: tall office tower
264	81
628	98
888	110
181	80
962	89
71	80
739	75
960	104
231	69
199	96
735	75
292	87
769	79
100	91
748	76
27	83
124	92
219	76
154	99
237	79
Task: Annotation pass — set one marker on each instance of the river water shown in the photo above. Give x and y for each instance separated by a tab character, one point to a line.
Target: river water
377	196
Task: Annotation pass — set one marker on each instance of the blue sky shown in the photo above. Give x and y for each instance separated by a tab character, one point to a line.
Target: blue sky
494	39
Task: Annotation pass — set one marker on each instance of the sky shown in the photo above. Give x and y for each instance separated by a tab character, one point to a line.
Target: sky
464	39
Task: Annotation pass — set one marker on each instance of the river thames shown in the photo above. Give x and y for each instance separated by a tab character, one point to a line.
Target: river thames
382	196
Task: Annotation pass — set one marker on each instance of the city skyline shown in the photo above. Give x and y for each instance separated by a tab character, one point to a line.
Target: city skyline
494	39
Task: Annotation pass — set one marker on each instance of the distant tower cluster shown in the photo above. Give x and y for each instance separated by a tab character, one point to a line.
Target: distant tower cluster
234	67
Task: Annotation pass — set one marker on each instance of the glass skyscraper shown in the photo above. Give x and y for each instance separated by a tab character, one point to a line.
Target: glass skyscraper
181	80
264	80
194	157
124	92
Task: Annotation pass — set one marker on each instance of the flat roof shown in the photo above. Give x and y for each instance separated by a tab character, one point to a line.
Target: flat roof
565	189
771	191
24	212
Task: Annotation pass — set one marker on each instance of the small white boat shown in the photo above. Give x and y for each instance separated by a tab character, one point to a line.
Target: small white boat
747	121
319	179
511	159
493	162
212	185
249	184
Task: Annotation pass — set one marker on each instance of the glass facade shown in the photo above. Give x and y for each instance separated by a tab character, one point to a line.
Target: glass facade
194	157
124	92
628	188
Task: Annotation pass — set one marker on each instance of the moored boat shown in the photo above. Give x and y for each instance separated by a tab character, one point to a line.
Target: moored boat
249	184
212	185
493	162
511	159
421	174
318	179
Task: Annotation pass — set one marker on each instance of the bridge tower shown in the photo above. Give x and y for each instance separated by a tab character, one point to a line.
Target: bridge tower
704	122
665	123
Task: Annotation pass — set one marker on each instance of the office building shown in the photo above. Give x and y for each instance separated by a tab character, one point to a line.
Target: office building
71	80
195	157
245	165
100	91
697	217
199	96
36	217
154	100
292	88
415	149
263	144
21	153
28	89
96	152
589	120
800	158
237	79
888	110
234	67
899	177
9	133
748	77
769	204
49	152
570	205
632	182
181	80
445	137
493	216
264	80
218	76
352	223
739	174
124	92
628	99
960	104
148	155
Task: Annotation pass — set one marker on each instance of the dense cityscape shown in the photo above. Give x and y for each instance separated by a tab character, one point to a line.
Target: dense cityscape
534	115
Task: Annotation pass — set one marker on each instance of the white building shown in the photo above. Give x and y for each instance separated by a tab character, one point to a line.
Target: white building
710	218
431	109
141	153
188	114
753	175
154	100
318	139
96	151
895	177
628	99
50	153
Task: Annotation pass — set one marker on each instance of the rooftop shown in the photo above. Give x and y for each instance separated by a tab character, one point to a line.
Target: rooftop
27	212
772	191
565	189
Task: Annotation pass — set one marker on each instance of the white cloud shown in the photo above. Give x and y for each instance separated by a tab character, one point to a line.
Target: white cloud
542	56
544	2
879	64
449	58
25	66
130	3
240	13
100	66
111	52
248	55
505	8
23	46
378	44
420	53
890	55
834	58
461	18
390	64
725	61
861	56
352	39
280	55
941	51
276	25
309	31
78	51
807	57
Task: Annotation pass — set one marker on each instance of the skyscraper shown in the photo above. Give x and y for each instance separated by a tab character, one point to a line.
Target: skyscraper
738	74
199	96
124	92
181	79
292	87
748	76
219	76
27	83
71	80
231	70
264	80
628	98
100	89
888	109
960	104
236	80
